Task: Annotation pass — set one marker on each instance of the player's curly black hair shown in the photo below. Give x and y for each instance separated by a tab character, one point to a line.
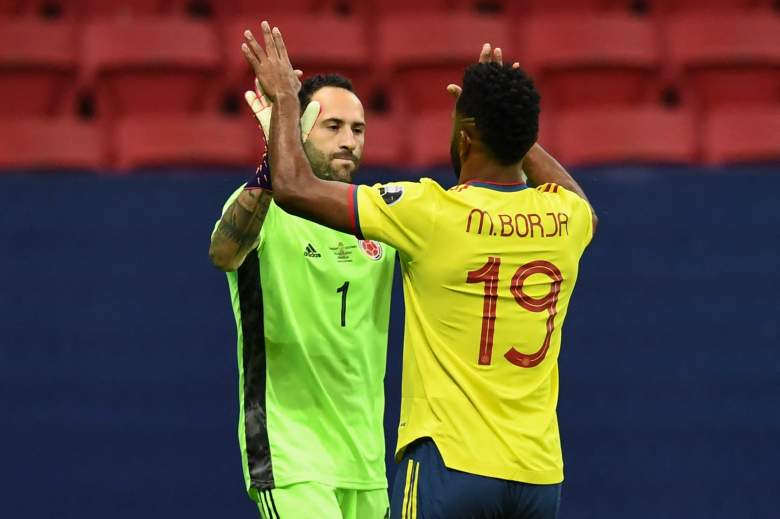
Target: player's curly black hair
505	106
312	84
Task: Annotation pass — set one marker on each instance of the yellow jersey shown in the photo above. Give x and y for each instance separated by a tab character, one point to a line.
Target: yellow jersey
489	270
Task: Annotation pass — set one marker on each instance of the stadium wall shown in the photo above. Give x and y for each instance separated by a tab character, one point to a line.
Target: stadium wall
117	353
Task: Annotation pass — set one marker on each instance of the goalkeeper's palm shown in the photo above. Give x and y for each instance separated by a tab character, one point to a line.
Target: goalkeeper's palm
261	107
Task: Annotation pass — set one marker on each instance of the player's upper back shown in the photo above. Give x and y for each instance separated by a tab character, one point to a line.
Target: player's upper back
501	258
476	220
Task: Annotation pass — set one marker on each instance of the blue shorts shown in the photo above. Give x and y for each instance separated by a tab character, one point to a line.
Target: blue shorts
425	489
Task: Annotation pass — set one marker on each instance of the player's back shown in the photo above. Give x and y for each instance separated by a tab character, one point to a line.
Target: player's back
489	270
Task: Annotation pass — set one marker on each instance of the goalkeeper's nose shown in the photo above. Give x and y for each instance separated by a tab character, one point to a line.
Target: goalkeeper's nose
347	140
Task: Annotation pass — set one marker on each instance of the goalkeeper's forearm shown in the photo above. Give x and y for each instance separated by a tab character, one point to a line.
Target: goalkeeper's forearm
238	228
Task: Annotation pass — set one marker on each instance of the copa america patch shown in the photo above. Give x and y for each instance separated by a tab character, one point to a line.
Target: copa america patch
372	249
391	194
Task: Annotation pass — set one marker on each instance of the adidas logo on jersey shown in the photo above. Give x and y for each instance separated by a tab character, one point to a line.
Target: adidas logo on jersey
311	252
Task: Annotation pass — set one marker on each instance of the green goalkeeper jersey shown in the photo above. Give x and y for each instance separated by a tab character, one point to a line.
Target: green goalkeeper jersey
312	307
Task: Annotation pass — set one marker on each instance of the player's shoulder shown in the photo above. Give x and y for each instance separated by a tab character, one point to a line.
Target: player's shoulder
557	191
394	192
548	187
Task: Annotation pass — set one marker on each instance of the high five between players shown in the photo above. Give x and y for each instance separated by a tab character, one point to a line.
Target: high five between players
489	269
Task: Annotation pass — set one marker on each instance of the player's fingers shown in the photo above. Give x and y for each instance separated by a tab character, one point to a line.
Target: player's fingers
254	46
270	45
498	56
298	73
484	55
281	48
515	65
251	58
454	90
261	94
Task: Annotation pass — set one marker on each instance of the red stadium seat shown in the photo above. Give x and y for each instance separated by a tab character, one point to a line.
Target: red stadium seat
195	140
256	10
91	9
707	6
430	134
742	134
37	67
527	7
385	144
393	7
728	59
46	142
423	53
10	7
150	65
587	60
645	135
120	8
315	43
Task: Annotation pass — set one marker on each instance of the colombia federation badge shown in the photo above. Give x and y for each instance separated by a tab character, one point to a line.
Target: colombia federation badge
371	248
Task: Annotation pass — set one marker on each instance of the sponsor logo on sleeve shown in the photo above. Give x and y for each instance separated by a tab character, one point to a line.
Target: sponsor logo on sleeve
391	194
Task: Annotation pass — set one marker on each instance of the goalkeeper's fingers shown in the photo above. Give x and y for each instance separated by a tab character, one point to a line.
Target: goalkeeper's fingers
308	119
262	111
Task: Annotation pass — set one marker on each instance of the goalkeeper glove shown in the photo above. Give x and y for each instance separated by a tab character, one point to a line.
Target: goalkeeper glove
260	105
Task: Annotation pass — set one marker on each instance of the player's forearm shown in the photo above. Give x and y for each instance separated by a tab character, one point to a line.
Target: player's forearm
296	189
238	229
541	168
291	169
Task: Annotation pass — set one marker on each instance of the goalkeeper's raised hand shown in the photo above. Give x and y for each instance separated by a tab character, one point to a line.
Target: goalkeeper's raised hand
261	108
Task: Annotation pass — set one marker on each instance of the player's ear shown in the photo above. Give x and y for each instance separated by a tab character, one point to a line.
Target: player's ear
464	144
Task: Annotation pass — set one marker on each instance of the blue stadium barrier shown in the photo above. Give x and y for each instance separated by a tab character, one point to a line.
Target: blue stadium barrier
118	392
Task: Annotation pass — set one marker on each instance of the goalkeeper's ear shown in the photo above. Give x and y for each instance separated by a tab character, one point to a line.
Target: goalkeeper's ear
308	119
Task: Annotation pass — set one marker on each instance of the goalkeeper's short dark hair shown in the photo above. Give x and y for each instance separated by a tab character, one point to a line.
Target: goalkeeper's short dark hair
505	106
312	84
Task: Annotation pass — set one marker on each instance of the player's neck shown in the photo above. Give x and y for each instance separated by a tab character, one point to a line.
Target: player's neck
492	172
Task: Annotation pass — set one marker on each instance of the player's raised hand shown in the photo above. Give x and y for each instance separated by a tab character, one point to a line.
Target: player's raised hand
486	55
271	65
260	105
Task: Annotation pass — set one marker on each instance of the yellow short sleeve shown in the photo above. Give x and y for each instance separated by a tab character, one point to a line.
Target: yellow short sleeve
401	214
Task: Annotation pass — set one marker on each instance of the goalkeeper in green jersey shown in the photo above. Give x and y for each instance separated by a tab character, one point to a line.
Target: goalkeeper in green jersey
312	308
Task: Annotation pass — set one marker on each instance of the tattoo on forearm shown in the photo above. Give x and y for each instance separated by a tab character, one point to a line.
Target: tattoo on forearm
241	222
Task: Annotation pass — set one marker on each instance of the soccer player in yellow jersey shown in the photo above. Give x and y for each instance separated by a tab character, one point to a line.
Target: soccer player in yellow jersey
489	269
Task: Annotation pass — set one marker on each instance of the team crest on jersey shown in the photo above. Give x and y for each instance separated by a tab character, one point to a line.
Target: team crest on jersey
391	194
372	249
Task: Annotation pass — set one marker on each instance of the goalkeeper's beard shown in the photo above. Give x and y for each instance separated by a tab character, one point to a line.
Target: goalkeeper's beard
320	165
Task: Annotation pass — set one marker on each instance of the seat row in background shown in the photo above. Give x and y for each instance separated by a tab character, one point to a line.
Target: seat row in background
683	69
578	60
650	135
220	9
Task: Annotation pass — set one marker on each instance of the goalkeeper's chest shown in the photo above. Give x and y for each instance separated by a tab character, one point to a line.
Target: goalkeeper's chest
312	248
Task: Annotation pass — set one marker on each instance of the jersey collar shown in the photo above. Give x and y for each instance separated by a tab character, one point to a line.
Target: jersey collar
497	186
